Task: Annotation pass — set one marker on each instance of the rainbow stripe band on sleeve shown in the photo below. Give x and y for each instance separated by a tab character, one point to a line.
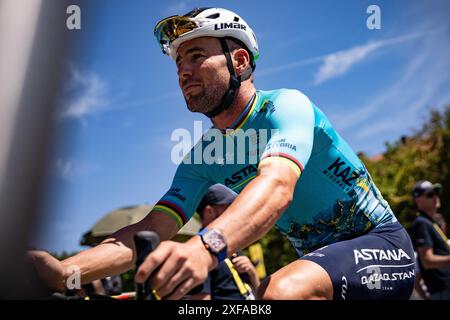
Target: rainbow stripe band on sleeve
285	158
172	210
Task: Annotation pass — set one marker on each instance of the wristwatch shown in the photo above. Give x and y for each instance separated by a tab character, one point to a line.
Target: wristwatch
214	242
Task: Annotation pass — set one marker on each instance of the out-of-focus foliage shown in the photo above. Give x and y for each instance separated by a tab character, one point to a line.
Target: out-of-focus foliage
425	155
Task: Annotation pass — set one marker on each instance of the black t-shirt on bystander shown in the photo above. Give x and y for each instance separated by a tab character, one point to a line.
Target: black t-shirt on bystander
426	233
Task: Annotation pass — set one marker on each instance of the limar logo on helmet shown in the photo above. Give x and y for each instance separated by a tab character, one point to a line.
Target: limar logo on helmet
230	26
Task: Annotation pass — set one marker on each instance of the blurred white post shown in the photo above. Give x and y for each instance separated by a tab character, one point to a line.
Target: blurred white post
31	55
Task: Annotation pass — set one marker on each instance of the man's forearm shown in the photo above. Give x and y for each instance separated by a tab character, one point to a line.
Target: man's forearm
106	259
255	210
116	254
434	261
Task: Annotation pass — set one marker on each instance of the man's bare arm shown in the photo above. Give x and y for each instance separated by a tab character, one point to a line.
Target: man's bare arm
258	206
116	254
431	260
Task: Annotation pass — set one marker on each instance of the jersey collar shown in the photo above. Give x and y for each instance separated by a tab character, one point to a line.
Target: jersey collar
245	115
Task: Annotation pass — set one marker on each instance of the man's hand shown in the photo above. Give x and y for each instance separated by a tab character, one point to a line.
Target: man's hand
176	268
242	264
49	269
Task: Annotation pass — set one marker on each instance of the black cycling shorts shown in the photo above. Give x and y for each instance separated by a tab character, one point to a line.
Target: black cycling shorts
376	265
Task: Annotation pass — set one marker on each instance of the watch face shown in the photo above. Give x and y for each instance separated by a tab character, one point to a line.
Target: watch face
215	240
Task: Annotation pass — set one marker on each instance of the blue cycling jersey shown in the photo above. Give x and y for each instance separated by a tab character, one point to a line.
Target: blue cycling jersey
335	198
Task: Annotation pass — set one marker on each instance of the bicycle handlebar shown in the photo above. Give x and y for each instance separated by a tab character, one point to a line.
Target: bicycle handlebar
145	242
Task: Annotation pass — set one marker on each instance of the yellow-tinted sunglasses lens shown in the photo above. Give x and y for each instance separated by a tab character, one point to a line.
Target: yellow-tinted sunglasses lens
169	29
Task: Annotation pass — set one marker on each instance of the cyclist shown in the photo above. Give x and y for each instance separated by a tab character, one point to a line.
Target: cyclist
306	180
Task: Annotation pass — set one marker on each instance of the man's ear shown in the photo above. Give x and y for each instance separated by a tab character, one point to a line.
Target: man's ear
242	60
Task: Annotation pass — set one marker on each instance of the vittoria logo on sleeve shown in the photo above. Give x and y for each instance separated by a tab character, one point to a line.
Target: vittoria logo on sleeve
175	193
281	143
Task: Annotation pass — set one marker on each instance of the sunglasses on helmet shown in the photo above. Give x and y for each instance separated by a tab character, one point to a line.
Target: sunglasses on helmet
169	29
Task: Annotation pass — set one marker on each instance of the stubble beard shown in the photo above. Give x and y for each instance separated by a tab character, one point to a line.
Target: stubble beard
208	98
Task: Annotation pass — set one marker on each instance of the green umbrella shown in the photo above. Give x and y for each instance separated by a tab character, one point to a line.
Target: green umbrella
122	217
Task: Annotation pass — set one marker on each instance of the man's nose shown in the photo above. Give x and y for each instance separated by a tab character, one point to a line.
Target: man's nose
184	70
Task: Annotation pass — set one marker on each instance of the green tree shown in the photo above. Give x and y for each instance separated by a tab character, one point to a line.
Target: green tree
425	155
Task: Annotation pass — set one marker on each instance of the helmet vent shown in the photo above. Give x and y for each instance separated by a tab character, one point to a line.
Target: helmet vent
213	16
193	13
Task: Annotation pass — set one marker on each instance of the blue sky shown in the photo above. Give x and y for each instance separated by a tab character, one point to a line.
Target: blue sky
122	101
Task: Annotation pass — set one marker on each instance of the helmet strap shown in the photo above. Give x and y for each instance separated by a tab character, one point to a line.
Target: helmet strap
235	83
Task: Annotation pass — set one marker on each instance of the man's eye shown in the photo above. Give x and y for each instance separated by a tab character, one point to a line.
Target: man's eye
195	57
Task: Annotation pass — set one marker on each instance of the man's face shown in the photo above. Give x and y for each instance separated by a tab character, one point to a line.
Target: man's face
428	201
202	73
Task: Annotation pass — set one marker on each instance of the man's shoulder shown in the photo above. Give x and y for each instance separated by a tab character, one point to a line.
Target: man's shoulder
284	104
283	93
421	220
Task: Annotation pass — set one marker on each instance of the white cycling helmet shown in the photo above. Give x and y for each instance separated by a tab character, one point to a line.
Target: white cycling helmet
171	32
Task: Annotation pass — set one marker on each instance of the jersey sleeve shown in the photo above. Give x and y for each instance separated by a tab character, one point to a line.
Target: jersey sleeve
187	189
292	119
